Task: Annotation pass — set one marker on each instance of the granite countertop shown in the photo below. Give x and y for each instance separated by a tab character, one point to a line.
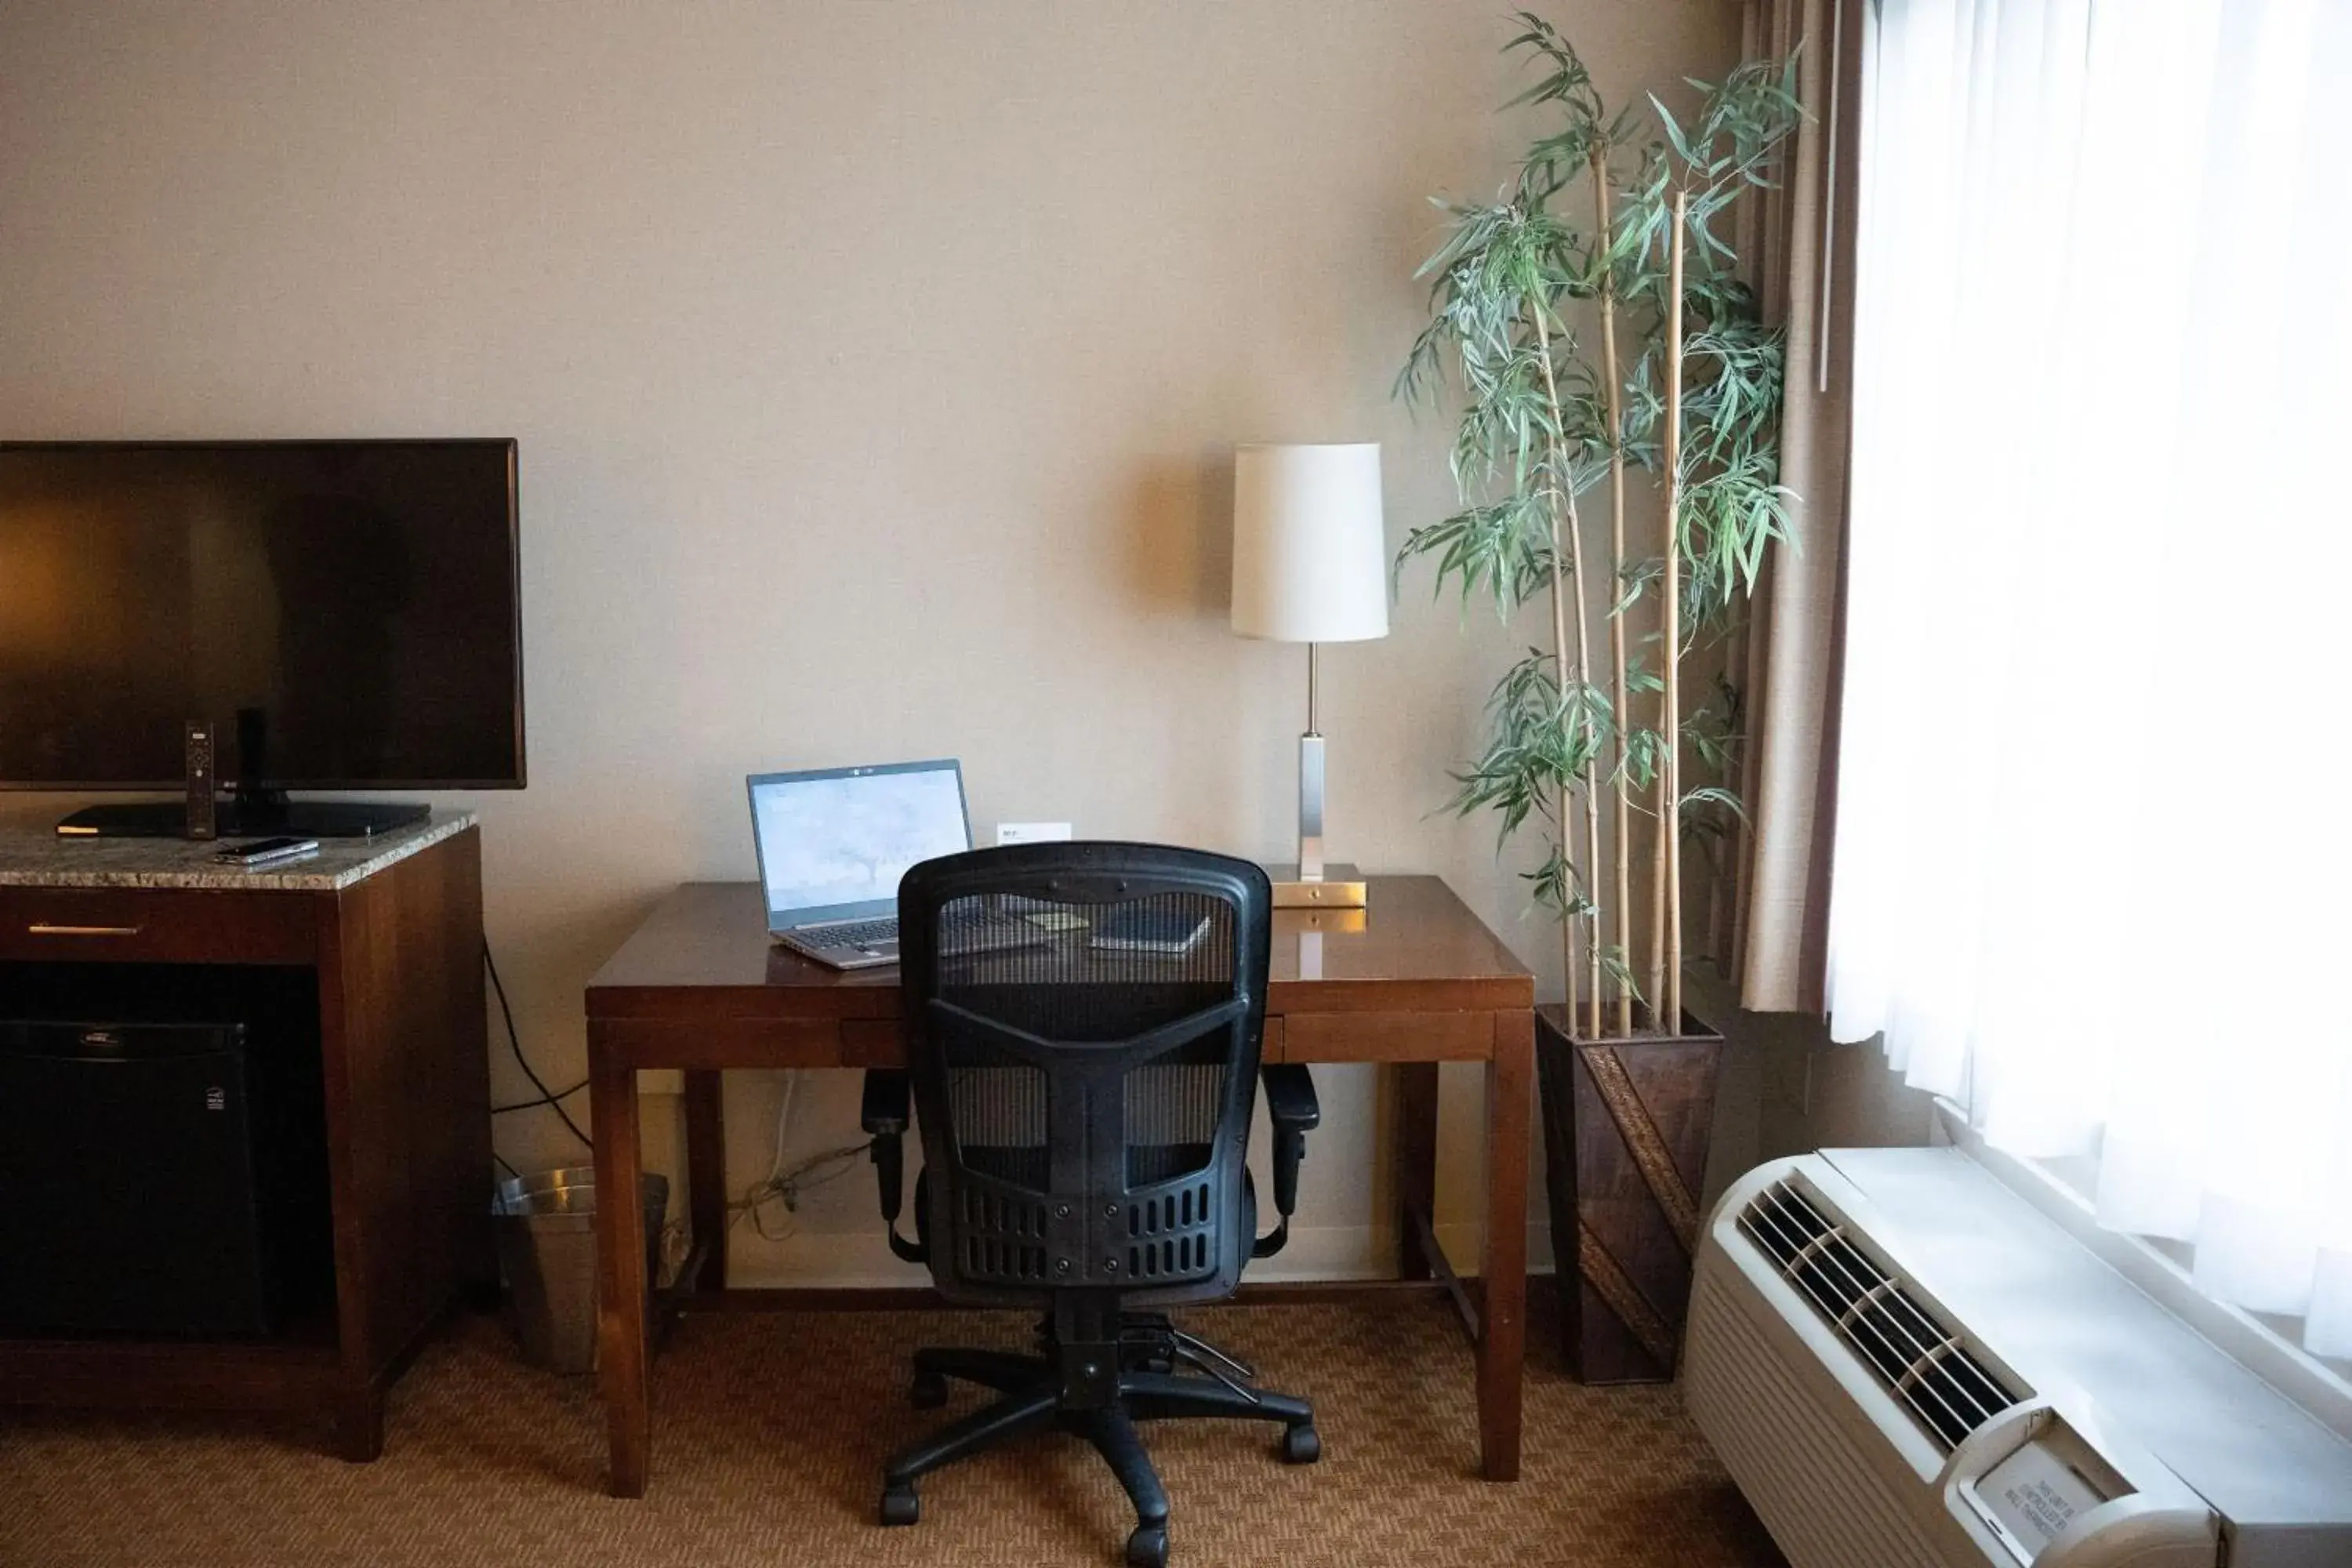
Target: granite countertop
43	859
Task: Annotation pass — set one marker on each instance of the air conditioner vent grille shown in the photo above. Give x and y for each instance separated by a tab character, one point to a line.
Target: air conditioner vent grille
1948	1389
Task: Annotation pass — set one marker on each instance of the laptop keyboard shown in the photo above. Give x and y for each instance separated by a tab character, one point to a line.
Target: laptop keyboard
974	933
857	934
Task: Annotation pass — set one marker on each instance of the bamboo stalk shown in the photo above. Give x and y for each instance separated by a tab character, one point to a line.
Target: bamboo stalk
1559	654
1621	807
1591	797
1671	774
1563	490
1654	993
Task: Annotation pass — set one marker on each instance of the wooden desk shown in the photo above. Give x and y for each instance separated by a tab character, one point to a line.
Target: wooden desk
1419	980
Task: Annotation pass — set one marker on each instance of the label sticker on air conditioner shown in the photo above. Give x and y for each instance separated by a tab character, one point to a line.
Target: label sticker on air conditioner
2035	1494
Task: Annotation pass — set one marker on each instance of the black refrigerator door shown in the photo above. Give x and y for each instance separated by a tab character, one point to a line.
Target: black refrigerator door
126	1182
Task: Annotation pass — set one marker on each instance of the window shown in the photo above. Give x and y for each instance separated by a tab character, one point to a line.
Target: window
2091	867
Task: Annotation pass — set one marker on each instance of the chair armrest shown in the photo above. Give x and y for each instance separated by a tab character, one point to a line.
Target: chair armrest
884	1111
884	1115
1291	1106
1290	1100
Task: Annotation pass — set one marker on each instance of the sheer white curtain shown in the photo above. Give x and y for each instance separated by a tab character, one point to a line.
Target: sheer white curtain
2092	875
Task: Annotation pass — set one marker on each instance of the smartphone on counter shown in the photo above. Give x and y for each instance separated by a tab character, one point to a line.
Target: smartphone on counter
266	851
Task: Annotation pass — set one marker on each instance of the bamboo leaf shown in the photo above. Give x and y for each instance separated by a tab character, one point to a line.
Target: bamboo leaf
1712	795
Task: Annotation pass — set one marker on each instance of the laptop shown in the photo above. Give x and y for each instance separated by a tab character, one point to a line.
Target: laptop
833	844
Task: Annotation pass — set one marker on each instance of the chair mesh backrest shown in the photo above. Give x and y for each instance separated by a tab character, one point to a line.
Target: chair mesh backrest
1084	1092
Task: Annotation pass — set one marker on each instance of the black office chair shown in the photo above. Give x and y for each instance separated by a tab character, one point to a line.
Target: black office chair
1084	1100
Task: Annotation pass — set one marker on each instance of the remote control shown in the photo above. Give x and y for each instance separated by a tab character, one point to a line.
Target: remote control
200	821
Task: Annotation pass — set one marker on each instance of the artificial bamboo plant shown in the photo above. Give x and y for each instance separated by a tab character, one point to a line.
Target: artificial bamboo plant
1542	423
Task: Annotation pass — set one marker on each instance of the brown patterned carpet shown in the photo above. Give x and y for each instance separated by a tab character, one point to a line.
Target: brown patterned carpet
769	1434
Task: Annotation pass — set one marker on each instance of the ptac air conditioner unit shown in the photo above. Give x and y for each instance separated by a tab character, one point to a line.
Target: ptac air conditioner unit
1905	1365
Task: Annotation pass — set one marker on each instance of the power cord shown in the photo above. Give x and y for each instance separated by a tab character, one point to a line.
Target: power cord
780	1185
547	1097
785	1186
672	1245
788	1186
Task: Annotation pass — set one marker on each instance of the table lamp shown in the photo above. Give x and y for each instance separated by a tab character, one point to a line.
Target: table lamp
1310	565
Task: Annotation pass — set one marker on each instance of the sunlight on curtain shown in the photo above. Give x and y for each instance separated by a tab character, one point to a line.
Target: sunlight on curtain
2090	870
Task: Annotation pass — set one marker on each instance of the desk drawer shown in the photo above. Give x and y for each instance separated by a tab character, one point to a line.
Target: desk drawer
162	925
1383	1037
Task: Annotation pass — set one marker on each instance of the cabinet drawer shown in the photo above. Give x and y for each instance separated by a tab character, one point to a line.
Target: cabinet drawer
162	925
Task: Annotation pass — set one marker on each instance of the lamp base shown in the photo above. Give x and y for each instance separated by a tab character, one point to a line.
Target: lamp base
1342	888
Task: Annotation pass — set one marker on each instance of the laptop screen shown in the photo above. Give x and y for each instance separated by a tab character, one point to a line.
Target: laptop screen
833	845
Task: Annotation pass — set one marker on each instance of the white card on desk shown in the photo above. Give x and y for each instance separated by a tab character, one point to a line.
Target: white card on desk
1031	833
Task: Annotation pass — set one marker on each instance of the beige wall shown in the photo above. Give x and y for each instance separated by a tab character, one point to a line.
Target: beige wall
920	327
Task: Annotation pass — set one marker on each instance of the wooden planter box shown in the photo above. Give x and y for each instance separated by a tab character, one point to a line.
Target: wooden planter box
1626	1128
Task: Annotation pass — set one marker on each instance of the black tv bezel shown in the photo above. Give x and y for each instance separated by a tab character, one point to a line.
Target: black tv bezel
514	561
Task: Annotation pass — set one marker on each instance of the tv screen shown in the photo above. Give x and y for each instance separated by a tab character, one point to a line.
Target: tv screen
349	609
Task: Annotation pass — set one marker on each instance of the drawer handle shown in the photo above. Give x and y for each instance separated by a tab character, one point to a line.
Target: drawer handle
43	928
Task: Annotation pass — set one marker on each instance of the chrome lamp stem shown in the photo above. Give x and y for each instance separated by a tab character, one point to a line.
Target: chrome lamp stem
1310	775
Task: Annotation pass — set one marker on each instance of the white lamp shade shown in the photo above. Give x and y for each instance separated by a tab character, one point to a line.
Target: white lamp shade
1310	563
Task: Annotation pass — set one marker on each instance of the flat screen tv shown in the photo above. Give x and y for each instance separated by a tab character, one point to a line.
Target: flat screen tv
345	615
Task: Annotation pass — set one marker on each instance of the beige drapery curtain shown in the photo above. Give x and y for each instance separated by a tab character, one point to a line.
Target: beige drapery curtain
1803	232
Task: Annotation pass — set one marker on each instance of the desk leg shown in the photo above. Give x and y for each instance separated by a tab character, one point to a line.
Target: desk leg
705	1176
1502	1271
1415	1163
621	1272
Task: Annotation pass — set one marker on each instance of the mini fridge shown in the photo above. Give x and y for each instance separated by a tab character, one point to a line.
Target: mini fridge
129	1204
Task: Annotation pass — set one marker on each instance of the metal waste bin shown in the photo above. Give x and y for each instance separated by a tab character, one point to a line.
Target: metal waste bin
546	1227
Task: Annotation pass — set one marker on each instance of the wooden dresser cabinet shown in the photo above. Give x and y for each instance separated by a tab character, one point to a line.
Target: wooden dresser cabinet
379	939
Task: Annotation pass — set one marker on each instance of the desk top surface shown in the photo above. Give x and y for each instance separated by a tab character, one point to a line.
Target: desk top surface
45	860
705	950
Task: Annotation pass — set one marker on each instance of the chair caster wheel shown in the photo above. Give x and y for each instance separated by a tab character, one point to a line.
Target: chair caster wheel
1148	1547
928	1391
1300	1445
900	1505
